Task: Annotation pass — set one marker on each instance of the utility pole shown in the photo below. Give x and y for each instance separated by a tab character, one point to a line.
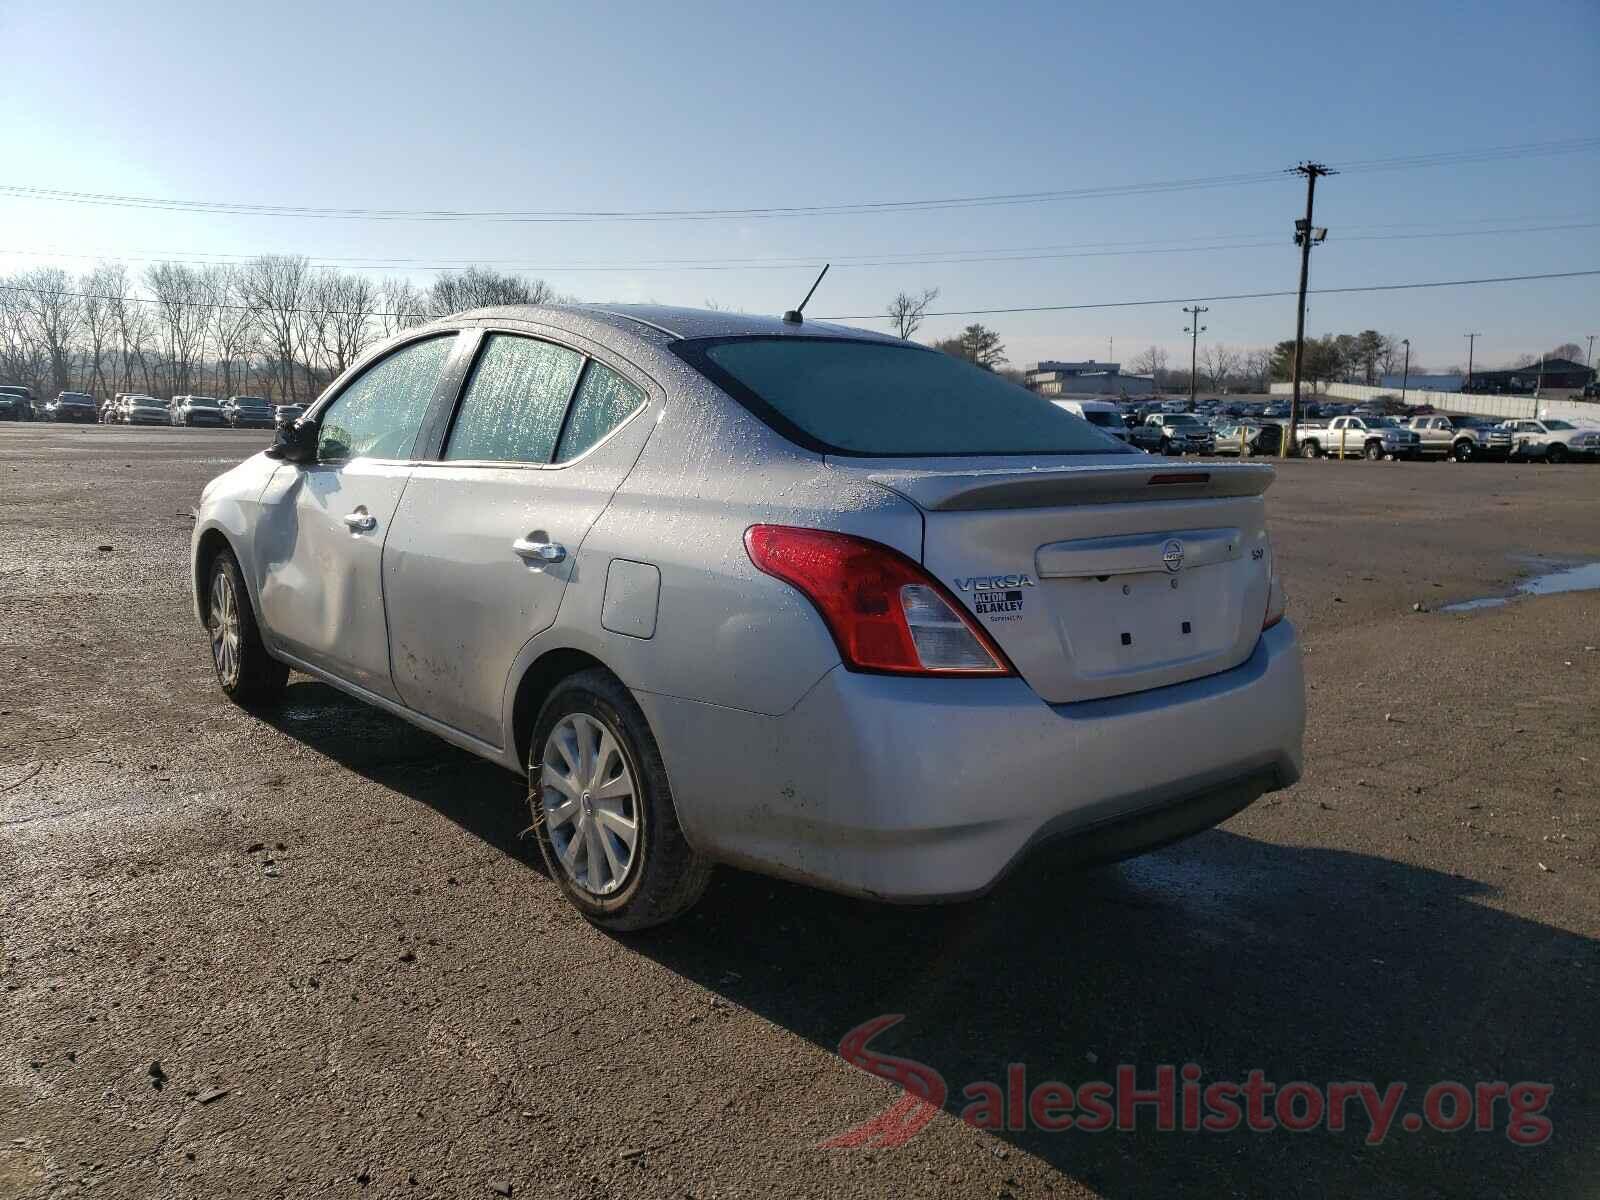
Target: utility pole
1194	329
1406	378
1304	236
1588	359
1472	339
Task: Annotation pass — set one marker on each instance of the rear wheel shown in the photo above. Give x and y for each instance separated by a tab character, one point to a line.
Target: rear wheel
247	674
602	808
1310	450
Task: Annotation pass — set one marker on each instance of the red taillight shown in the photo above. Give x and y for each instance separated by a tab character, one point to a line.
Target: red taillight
885	612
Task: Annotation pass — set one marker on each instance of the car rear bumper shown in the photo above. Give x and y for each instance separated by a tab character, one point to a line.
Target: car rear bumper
931	789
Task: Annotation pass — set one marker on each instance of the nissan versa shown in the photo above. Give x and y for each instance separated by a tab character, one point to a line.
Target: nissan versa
790	596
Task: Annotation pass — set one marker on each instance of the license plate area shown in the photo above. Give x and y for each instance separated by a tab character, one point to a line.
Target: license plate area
1131	623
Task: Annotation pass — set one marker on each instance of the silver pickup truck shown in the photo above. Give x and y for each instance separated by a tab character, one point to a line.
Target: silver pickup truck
1460	438
1359	437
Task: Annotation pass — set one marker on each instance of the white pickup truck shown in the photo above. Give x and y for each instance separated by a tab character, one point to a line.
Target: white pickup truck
1553	440
1373	438
1460	438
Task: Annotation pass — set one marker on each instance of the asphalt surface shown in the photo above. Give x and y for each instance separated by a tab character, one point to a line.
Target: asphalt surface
333	921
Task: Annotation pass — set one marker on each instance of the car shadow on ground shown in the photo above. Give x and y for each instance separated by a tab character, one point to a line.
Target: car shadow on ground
1228	952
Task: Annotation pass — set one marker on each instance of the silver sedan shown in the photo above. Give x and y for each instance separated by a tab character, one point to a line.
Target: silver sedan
773	593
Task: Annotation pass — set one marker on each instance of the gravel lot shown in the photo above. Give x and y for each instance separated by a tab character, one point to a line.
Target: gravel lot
331	917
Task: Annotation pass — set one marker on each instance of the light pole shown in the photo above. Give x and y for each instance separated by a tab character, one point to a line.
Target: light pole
1406	378
1472	341
1194	329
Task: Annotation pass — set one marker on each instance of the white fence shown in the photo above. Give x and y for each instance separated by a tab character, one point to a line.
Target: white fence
1579	412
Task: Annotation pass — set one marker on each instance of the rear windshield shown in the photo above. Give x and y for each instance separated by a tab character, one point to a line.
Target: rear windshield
878	399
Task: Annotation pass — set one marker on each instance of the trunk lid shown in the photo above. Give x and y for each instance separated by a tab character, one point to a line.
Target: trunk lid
1101	577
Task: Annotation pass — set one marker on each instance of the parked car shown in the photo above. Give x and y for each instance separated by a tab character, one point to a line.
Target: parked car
196	410
1102	414
16	402
1181	433
287	414
1458	438
1248	437
71	406
110	408
1553	440
145	410
1349	437
696	664
247	412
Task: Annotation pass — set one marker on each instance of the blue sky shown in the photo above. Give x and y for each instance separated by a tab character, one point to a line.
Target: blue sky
651	106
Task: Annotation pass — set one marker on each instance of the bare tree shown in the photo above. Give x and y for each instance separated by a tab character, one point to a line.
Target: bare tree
1151	362
182	308
231	320
1221	363
481	287
276	286
1258	369
907	311
403	305
100	287
134	333
21	353
54	311
345	305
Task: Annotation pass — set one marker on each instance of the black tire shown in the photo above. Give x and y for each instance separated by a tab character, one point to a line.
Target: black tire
251	677
1462	450
1556	454
1374	451
665	877
1166	447
1310	450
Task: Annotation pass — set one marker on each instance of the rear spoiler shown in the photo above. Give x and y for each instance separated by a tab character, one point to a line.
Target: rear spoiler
964	491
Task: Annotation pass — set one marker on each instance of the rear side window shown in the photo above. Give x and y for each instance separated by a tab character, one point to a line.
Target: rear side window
512	408
603	401
874	398
378	415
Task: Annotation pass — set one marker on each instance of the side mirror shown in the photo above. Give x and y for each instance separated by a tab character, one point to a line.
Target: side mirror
295	442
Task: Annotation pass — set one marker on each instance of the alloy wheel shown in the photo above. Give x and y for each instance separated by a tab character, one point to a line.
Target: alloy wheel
225	634
590	803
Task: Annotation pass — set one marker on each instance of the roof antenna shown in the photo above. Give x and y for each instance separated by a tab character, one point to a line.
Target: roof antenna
796	316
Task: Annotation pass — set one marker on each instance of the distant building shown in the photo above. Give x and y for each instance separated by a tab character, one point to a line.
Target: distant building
1521	381
1090	378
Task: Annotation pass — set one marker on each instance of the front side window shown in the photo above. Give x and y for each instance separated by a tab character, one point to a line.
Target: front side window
379	415
603	401
512	408
882	398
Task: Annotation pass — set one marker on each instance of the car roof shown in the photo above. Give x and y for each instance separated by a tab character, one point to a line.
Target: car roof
675	323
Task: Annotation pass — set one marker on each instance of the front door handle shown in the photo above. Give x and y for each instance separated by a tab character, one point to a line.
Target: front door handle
361	520
539	553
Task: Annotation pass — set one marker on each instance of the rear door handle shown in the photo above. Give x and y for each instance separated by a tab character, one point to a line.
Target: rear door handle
539	553
361	521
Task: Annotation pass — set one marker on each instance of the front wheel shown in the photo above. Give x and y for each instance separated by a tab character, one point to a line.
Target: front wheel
1462	451
1374	452
1310	450
1557	453
247	674
602	808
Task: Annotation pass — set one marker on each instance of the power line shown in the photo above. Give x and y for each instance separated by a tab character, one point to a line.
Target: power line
855	208
971	312
1375	287
1542	220
926	258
